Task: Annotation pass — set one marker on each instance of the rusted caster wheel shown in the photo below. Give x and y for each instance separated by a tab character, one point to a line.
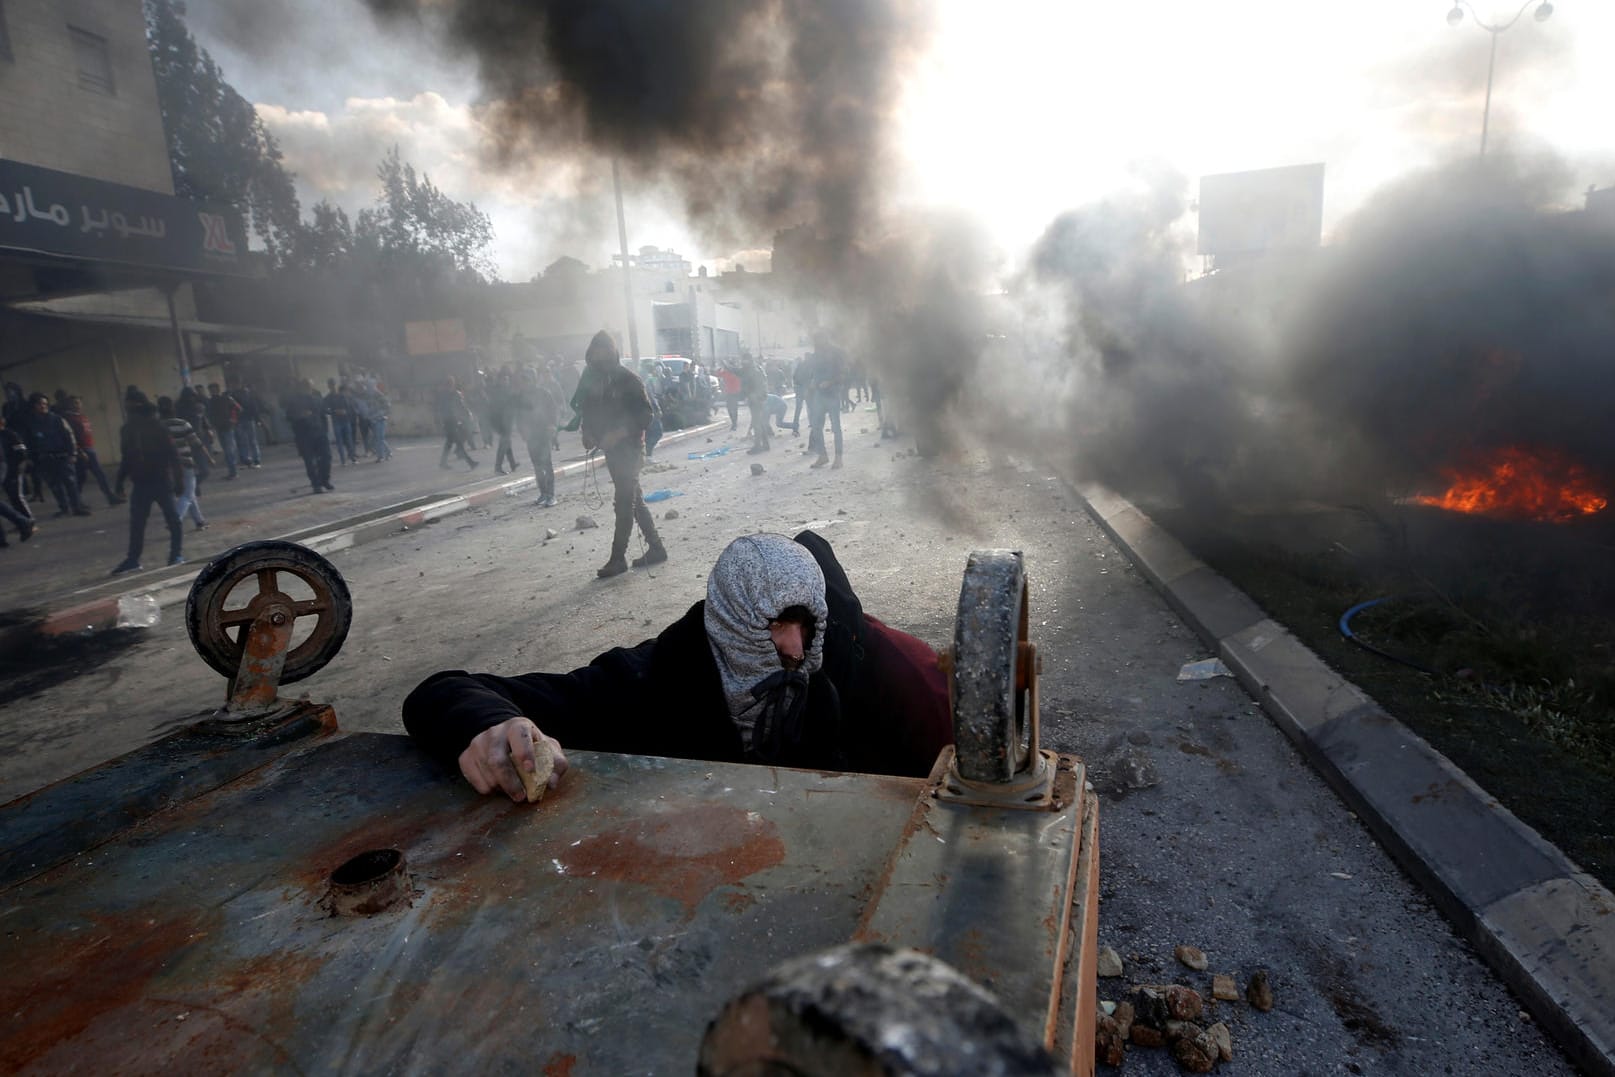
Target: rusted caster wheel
861	1010
993	670
218	629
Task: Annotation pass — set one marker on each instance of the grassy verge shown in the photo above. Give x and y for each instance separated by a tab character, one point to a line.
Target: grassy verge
1513	624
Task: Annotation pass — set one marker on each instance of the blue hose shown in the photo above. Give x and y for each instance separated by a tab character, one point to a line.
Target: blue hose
1345	630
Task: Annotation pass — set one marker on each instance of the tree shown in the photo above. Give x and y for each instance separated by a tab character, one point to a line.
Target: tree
218	147
414	224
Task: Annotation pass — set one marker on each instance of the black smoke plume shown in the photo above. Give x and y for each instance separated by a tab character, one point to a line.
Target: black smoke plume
762	115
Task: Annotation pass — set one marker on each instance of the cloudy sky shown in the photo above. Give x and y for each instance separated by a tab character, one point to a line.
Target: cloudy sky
1013	111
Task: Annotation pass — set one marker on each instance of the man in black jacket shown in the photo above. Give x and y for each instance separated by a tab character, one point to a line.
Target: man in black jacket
778	665
54	450
147	458
614	412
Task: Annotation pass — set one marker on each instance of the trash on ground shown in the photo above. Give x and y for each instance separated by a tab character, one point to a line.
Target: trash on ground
1204	670
586	522
663	495
722	450
138	611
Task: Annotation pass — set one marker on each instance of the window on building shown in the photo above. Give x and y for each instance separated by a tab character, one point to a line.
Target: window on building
93	59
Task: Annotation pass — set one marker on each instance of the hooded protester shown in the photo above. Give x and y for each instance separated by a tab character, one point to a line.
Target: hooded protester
614	412
778	665
150	461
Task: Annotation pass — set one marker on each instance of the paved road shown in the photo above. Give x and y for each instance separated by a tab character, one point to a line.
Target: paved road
1236	847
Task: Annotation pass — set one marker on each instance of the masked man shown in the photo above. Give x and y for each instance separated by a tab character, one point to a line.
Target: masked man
779	665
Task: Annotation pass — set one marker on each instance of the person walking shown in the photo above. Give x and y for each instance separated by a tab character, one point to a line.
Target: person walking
799	379
88	463
755	384
13	460
224	415
730	381
190	450
339	406
455	415
252	410
22	522
306	413
501	415
538	413
829	375
193	409
614	412
380	412
54	452
148	459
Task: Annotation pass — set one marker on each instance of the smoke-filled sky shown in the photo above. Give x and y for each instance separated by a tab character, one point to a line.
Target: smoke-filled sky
1012	112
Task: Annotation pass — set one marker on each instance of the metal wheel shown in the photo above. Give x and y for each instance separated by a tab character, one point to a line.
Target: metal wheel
990	679
218	630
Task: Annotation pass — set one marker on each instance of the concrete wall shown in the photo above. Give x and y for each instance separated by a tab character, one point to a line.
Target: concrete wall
51	121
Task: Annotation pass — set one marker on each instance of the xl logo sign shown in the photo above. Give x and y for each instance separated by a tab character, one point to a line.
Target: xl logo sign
215	234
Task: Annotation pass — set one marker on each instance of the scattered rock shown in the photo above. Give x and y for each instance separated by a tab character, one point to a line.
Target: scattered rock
1149	1006
841	512
549	533
1146	1036
586	522
1195	1050
1259	993
671	514
1223	1039
1110	963
1192	956
1124	1018
1109	1046
1183	1003
1224	988
1123	772
757	469
1139	737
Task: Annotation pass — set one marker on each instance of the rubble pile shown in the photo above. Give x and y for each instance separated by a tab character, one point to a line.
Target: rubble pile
1174	1016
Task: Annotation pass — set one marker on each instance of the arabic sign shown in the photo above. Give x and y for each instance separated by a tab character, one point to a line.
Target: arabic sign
59	213
1268	209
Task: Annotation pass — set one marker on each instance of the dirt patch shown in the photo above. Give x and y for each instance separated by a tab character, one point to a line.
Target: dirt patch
42	662
1513	625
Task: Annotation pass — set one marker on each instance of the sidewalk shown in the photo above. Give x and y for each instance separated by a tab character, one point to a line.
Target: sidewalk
58	581
1546	928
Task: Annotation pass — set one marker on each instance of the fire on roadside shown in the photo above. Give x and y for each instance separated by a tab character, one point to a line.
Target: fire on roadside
1522	483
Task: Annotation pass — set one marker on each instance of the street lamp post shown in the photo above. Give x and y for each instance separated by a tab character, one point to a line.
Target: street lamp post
1543	11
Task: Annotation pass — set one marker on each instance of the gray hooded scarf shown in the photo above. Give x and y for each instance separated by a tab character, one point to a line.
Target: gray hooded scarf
756	578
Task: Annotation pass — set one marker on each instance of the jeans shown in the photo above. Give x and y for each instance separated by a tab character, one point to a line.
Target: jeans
14	490
825	405
15	518
454	434
653	434
538	451
141	498
247	442
227	443
56	472
505	452
89	465
623	462
342	433
378	438
316	454
188	502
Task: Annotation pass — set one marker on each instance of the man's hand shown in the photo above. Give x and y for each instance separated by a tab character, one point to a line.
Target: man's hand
491	760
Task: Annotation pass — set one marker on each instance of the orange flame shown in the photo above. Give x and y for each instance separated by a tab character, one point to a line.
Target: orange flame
1518	483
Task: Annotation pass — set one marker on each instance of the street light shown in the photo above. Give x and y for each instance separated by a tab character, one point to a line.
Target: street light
1544	11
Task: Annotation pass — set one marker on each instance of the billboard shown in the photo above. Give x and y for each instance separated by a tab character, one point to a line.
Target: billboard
1268	209
43	211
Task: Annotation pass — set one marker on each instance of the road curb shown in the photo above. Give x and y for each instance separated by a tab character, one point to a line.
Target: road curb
102	612
1545	927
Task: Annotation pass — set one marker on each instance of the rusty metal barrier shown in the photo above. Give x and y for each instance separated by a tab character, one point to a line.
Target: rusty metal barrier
259	891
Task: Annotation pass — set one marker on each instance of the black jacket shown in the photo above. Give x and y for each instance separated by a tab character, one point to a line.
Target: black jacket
146	451
612	400
875	705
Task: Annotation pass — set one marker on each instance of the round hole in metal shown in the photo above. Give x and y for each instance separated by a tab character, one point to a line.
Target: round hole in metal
369	883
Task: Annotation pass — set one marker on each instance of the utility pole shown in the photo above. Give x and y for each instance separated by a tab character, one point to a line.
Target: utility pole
627	272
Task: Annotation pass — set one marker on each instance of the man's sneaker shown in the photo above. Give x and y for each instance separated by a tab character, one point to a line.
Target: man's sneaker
653	556
473	464
26	531
81	511
201	526
126	566
837	465
176	560
614	567
115	499
821	461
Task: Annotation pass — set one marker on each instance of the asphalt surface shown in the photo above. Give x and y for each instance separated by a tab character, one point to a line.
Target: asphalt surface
1214	831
